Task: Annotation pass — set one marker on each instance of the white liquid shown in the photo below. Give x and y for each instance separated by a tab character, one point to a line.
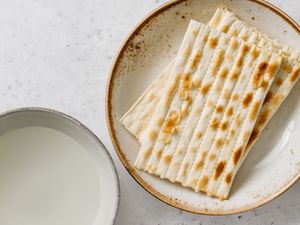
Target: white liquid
46	178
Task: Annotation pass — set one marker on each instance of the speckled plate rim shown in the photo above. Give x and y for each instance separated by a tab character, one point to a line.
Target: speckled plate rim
84	129
110	123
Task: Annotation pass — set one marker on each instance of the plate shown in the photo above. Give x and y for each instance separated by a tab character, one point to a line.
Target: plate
271	167
54	170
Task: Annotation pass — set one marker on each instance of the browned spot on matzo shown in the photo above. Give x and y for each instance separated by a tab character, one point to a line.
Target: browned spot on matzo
277	99
234	76
203	182
237	155
219	109
218	62
153	135
234	44
224	125
213	42
226	94
147	153
264	116
159	153
254	53
185	168
257	77
294	75
278	81
196	83
224	73
235	97
287	68
167	159
247	99
225	28
272	68
246	136
196	60
254	111
212	156
264	84
199	134
253	136
200	162
219	169
232	132
205	88
228	178
229	111
268	97
214	124
160	122
172	120
219	142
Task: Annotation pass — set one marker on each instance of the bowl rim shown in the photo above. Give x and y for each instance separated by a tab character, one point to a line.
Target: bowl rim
112	133
84	129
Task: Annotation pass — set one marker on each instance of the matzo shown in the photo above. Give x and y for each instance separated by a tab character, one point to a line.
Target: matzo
206	60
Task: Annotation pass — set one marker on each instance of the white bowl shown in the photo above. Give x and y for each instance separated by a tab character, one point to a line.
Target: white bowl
274	163
54	170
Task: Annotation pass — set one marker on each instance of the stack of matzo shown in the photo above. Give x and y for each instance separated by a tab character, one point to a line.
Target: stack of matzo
196	133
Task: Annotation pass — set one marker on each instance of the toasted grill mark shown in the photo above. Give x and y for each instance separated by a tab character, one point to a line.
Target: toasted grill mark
278	81
159	153
264	116
287	68
272	68
229	111
235	97
152	168
218	88
224	73
226	94
247	99
253	137
213	42
234	33
212	157
147	153
219	142
199	134
218	62
205	88
254	53
167	159
203	182
196	60
200	162
237	155
180	151
227	142
257	77
185	85
214	124
234	76
225	28
276	100
254	111
228	178
153	135
224	125
219	109
244	37
195	32
160	122
185	168
268	97
219	169
294	75
264	85
234	44
194	150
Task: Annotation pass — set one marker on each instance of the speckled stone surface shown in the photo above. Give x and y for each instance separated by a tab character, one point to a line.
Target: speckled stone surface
57	54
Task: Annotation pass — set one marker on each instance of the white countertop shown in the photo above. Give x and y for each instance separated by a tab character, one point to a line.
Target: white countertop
57	54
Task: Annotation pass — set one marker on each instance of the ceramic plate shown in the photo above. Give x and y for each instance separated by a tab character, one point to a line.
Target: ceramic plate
272	166
54	170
